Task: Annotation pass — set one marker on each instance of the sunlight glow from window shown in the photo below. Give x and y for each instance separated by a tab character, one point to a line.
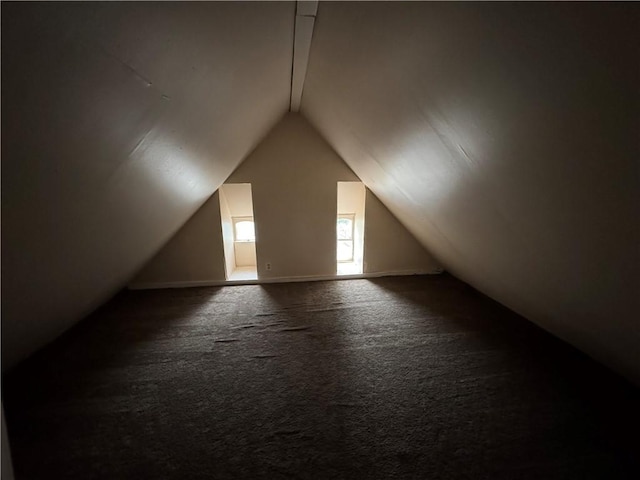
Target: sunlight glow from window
345	238
245	231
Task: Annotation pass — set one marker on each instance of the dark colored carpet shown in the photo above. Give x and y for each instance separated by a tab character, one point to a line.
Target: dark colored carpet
407	377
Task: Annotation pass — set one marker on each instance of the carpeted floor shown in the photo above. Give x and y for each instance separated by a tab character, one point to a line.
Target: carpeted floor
393	378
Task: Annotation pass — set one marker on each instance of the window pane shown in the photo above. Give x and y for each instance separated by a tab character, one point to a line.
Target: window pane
245	231
345	250
345	229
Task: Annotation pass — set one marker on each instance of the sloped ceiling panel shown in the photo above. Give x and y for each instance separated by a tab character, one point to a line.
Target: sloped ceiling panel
504	136
118	121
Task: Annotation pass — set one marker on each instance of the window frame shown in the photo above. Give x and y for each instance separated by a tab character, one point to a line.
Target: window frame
352	218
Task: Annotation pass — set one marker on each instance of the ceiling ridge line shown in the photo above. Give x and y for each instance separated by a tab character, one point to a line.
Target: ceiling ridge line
302	34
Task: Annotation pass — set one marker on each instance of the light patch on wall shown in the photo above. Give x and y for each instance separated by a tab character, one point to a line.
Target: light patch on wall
169	165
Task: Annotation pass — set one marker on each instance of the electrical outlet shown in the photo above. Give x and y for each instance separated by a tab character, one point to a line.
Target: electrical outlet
268	266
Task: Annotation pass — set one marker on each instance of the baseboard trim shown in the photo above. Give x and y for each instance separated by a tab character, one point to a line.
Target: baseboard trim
311	278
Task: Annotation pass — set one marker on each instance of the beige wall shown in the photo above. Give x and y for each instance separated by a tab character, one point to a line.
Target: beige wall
505	137
194	254
389	247
293	175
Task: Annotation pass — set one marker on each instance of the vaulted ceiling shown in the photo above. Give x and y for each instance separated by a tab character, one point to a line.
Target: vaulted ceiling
504	136
118	121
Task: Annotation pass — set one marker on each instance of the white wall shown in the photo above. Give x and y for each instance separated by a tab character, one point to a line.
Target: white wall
245	254
194	254
389	247
119	119
227	237
504	136
294	175
239	199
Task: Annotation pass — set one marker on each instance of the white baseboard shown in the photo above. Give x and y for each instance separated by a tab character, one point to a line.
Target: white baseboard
312	278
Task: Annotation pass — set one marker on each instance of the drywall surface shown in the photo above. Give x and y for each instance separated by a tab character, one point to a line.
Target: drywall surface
194	254
227	235
293	175
239	199
119	119
389	247
504	136
245	254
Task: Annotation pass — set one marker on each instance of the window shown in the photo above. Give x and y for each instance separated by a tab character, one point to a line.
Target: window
244	229
351	197
345	237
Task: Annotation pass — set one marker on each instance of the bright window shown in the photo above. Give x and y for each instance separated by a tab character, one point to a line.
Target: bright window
244	229
345	237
